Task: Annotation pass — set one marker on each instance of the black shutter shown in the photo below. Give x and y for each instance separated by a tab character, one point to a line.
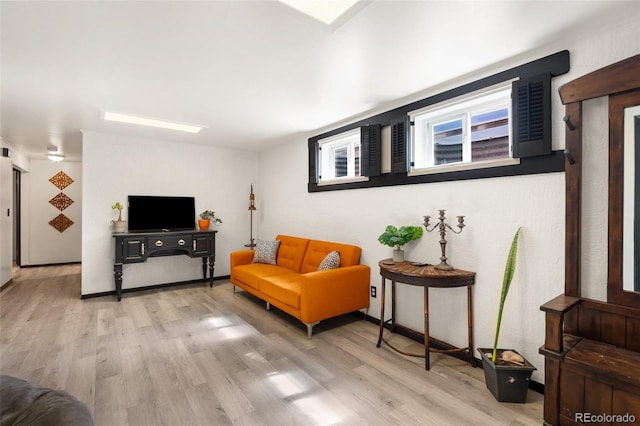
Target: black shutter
531	107
371	144
313	161
399	133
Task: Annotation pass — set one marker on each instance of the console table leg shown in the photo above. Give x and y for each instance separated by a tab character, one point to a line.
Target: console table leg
212	264
204	269
472	361
117	274
426	328
382	292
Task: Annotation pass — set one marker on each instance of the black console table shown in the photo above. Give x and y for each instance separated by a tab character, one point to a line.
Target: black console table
136	247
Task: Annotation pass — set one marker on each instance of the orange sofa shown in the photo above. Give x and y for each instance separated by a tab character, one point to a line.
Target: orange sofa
296	286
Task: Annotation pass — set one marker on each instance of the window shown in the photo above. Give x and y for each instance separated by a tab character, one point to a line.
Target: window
340	158
466	133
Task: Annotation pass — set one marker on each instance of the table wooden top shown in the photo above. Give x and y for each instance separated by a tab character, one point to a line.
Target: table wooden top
410	272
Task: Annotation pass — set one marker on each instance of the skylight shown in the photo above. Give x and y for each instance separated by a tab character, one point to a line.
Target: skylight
153	122
326	11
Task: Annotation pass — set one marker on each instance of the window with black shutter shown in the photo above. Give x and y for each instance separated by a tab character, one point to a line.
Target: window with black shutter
399	139
532	116
371	145
508	141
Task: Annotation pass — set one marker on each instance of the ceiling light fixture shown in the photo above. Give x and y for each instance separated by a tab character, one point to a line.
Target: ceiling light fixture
326	11
144	121
55	157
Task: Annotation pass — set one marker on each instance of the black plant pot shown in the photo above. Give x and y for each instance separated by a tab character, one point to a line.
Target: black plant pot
507	383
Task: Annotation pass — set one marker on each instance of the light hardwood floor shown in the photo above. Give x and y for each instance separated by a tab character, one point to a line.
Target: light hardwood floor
192	355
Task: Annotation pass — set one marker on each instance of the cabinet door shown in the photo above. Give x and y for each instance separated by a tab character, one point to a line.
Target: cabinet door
134	249
202	245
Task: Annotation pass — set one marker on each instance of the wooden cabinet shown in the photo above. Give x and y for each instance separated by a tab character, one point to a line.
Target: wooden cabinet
138	247
591	348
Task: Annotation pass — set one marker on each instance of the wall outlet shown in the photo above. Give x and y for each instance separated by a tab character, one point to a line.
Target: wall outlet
373	291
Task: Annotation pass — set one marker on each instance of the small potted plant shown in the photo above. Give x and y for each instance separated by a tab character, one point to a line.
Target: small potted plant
206	217
398	237
118	225
506	372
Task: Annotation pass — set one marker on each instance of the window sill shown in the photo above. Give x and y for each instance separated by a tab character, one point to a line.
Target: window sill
343	180
457	167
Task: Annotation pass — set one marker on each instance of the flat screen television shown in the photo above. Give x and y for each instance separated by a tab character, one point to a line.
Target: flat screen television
148	213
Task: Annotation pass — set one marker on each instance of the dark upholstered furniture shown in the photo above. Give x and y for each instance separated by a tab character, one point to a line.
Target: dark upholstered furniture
27	404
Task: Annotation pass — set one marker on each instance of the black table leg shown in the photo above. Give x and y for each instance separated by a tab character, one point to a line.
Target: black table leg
204	269
117	274
212	261
382	292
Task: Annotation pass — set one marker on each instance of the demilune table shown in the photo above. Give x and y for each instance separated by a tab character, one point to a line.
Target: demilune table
426	276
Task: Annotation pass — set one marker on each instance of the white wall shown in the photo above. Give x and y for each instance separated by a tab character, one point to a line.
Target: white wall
41	243
494	208
6	220
20	161
116	166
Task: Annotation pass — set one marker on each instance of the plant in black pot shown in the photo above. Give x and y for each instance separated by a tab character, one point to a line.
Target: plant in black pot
506	372
398	237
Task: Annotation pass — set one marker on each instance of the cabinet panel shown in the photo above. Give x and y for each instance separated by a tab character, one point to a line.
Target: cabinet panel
134	249
203	244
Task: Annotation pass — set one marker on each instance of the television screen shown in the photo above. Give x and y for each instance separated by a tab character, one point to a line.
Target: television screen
157	213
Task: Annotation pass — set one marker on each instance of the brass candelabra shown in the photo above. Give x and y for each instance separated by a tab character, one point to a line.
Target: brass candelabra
442	227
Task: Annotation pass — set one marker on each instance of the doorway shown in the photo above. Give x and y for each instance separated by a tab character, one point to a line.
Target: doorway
16	218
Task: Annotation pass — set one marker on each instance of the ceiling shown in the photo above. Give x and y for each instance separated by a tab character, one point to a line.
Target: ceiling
255	73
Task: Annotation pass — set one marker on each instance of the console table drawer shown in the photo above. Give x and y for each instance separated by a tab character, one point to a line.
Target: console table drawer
170	242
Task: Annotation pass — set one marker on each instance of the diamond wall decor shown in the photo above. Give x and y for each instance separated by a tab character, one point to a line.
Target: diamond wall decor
61	222
61	180
61	201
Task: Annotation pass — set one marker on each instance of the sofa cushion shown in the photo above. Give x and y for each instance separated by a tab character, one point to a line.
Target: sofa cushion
284	288
318	250
252	273
291	252
330	261
266	252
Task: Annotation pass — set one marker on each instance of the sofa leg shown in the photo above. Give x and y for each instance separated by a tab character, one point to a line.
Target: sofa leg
268	306
310	328
234	289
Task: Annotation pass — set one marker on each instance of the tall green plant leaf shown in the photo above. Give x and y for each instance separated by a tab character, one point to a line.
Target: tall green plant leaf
509	271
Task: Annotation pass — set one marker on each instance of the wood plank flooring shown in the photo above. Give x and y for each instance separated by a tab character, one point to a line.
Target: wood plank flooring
192	355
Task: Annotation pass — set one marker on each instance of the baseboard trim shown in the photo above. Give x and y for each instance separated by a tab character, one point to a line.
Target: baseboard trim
40	265
438	344
5	285
152	287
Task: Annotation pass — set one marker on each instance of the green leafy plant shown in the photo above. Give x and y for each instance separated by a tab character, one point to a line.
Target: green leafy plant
397	237
509	271
211	215
118	206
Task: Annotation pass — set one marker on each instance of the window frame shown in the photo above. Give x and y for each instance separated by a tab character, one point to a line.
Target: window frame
536	155
462	108
349	140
